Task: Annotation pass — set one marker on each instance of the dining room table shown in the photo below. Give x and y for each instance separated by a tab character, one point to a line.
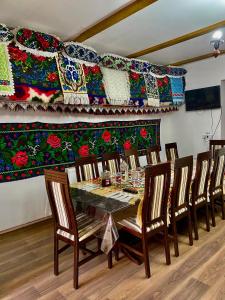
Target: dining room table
111	204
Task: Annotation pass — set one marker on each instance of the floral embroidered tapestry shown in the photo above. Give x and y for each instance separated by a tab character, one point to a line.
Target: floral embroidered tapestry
95	86
35	77
26	149
138	94
72	80
165	92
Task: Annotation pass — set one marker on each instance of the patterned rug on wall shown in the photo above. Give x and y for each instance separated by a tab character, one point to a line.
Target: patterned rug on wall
26	149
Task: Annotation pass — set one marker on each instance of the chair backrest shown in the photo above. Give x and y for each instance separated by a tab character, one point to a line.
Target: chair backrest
131	157
57	186
180	193
171	151
153	155
201	180
217	175
111	162
86	168
157	184
215	145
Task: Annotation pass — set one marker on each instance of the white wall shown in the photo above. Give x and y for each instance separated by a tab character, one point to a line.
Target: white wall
25	200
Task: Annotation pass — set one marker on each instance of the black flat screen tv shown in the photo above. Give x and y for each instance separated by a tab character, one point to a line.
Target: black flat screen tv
206	98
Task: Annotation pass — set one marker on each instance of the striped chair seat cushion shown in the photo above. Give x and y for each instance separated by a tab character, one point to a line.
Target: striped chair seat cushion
131	223
87	226
180	211
199	200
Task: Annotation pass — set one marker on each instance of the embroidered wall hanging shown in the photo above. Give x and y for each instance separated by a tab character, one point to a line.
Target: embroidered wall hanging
151	89
169	71
138	94
140	66
35	77
95	86
177	86
6	78
38	43
115	62
117	86
165	92
81	52
28	148
72	80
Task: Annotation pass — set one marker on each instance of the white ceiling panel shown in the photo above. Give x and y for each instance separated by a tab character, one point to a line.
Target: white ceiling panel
192	48
161	21
65	18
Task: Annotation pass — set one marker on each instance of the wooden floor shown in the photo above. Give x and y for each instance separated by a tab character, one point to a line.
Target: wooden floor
26	270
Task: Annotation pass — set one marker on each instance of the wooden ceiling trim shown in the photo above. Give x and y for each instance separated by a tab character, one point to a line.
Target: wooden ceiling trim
179	39
112	19
194	59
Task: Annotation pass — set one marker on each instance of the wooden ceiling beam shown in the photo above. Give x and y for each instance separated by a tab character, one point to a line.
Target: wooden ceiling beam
194	59
179	39
112	19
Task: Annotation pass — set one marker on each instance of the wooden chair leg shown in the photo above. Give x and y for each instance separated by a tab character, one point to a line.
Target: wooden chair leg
213	212
117	250
56	255
195	222
190	229
76	267
207	217
110	259
99	241
167	246
146	257
175	238
223	207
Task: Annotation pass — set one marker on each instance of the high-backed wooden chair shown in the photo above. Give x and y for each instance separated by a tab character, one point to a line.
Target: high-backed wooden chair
180	196
171	151
216	183
153	155
153	213
132	159
215	145
199	195
73	229
86	168
111	162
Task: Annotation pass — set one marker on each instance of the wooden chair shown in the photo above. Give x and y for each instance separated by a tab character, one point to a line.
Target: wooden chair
171	151
216	183
153	155
132	159
86	168
215	145
199	195
111	162
153	214
73	229
180	196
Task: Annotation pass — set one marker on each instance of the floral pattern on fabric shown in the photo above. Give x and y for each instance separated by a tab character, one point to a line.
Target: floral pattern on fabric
140	66
152	89
72	80
35	77
38	41
177	86
81	52
26	149
6	78
95	86
164	70
137	89
115	62
165	92
5	34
